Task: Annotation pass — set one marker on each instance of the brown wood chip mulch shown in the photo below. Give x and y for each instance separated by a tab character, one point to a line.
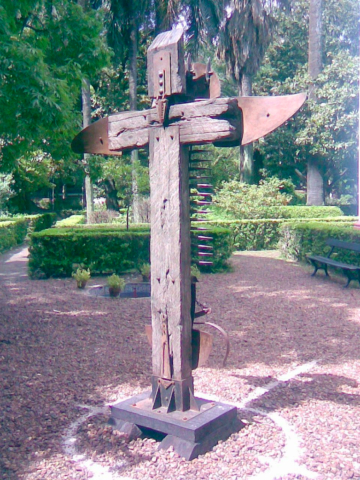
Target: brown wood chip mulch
293	372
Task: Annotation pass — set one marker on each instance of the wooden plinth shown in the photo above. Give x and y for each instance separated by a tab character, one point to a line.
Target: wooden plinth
191	433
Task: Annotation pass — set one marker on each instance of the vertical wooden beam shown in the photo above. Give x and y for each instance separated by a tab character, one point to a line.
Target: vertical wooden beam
170	256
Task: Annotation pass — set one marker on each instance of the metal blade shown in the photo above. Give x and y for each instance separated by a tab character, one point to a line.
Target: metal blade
94	139
262	115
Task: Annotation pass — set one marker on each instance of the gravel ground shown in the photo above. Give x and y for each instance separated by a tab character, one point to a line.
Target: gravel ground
293	373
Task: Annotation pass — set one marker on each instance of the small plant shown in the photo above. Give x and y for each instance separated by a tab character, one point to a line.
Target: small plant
145	271
116	284
81	276
195	272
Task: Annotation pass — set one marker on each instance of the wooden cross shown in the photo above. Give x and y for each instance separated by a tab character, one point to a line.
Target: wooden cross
177	120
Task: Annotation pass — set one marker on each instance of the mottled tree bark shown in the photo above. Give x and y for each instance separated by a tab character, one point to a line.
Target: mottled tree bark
133	106
315	181
246	166
86	112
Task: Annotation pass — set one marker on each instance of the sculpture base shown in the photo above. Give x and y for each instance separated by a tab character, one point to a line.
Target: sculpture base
191	433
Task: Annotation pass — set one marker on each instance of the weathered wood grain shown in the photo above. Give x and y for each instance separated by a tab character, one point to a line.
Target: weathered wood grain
199	122
172	45
170	254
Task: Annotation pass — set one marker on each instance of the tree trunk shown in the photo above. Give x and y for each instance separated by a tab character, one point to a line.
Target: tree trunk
315	181
133	106
86	112
111	197
246	166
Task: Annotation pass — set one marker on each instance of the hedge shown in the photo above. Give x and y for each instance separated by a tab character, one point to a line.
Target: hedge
301	211
15	230
103	249
264	233
12	233
299	239
70	221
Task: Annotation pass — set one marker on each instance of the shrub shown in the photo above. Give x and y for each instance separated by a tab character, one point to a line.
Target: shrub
264	233
15	230
71	221
299	239
223	248
81	276
242	200
40	222
104	249
12	233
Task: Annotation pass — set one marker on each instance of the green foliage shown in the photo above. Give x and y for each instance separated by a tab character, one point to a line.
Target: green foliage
40	222
326	128
264	234
46	47
71	221
6	191
12	233
242	200
145	269
299	239
81	276
195	272
105	248
222	248
15	230
114	281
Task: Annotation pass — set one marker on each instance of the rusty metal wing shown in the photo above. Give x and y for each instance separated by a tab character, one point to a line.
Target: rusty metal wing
262	115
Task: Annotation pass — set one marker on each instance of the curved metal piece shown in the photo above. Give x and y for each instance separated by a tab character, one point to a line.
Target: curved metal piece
225	335
262	115
94	139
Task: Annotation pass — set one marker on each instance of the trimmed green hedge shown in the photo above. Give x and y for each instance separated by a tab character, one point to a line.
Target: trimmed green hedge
15	230
71	221
264	233
301	211
103	249
299	239
12	233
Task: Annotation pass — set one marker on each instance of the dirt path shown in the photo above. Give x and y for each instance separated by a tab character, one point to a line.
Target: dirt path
13	265
293	372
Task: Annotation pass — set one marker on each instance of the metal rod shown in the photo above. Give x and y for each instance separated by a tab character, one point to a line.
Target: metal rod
199	177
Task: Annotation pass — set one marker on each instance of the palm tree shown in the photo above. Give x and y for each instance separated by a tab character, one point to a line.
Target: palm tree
244	39
125	20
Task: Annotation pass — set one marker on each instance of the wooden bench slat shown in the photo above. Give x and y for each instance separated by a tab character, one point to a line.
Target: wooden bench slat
320	262
333	263
333	242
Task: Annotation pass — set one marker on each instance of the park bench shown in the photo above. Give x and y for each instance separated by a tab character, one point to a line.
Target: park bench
321	263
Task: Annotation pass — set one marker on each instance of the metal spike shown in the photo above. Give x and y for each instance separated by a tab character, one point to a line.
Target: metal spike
202	237
200	202
205	185
205	254
203	262
199	177
206	212
206	247
199	194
